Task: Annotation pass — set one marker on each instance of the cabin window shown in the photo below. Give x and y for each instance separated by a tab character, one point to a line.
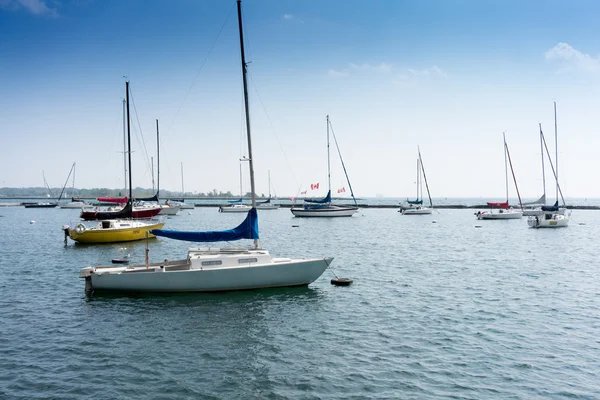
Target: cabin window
247	260
207	263
105	224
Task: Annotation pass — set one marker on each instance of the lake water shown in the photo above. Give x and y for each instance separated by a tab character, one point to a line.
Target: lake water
437	310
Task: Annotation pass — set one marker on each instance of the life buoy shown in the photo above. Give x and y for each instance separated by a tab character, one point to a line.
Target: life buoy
80	228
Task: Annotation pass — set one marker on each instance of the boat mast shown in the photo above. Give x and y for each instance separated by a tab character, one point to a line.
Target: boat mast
556	149
125	144
244	78
513	174
241	190
157	162
505	166
152	169
73	189
269	184
182	190
328	159
543	169
130	201
425	177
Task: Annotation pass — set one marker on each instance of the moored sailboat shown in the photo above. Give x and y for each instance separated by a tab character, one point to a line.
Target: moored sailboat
416	206
213	269
551	216
324	207
111	230
501	210
266	204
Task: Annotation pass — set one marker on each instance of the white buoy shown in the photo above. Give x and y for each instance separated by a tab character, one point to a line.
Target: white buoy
32	222
434	222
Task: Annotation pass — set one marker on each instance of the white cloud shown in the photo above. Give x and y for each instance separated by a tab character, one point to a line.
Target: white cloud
288	17
342	73
383	67
36	7
573	59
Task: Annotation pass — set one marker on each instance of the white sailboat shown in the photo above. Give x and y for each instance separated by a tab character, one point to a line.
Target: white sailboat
502	210
74	203
181	202
213	269
323	207
415	207
266	204
551	216
236	206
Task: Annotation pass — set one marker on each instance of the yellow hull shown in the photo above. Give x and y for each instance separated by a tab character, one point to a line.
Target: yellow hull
113	235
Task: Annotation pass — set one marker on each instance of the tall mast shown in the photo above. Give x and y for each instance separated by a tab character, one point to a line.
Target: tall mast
425	177
157	162
269	184
241	190
182	190
152	169
129	145
556	149
543	169
328	159
505	166
513	173
125	144
73	190
417	179
244	78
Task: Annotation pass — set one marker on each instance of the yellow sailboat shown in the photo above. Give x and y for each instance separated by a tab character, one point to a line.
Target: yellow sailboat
112	231
116	230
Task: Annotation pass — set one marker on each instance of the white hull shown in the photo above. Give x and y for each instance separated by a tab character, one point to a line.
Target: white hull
75	204
186	206
237	208
501	214
548	221
417	211
333	211
267	207
169	209
239	270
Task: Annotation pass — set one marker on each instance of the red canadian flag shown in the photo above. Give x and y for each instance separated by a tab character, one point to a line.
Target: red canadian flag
342	190
314	186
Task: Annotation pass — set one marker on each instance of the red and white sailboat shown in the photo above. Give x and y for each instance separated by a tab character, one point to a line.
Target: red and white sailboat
501	210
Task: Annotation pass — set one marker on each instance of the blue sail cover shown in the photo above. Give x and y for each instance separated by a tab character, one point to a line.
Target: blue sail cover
267	201
417	201
327	199
246	230
235	201
551	208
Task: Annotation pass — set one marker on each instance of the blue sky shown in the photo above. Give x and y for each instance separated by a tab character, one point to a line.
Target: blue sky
449	76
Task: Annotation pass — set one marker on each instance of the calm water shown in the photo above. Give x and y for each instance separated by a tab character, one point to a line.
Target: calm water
437	310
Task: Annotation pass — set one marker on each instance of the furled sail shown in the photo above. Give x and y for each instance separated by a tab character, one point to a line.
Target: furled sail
326	199
540	201
235	201
118	200
153	198
267	201
499	205
551	208
417	201
248	229
90	215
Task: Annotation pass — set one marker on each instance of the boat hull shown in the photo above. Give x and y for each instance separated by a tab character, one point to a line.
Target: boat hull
144	213
235	209
555	221
40	205
267	207
499	215
417	211
169	209
328	212
184	276
76	204
127	234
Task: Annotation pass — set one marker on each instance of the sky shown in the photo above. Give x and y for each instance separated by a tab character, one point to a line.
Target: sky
449	77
